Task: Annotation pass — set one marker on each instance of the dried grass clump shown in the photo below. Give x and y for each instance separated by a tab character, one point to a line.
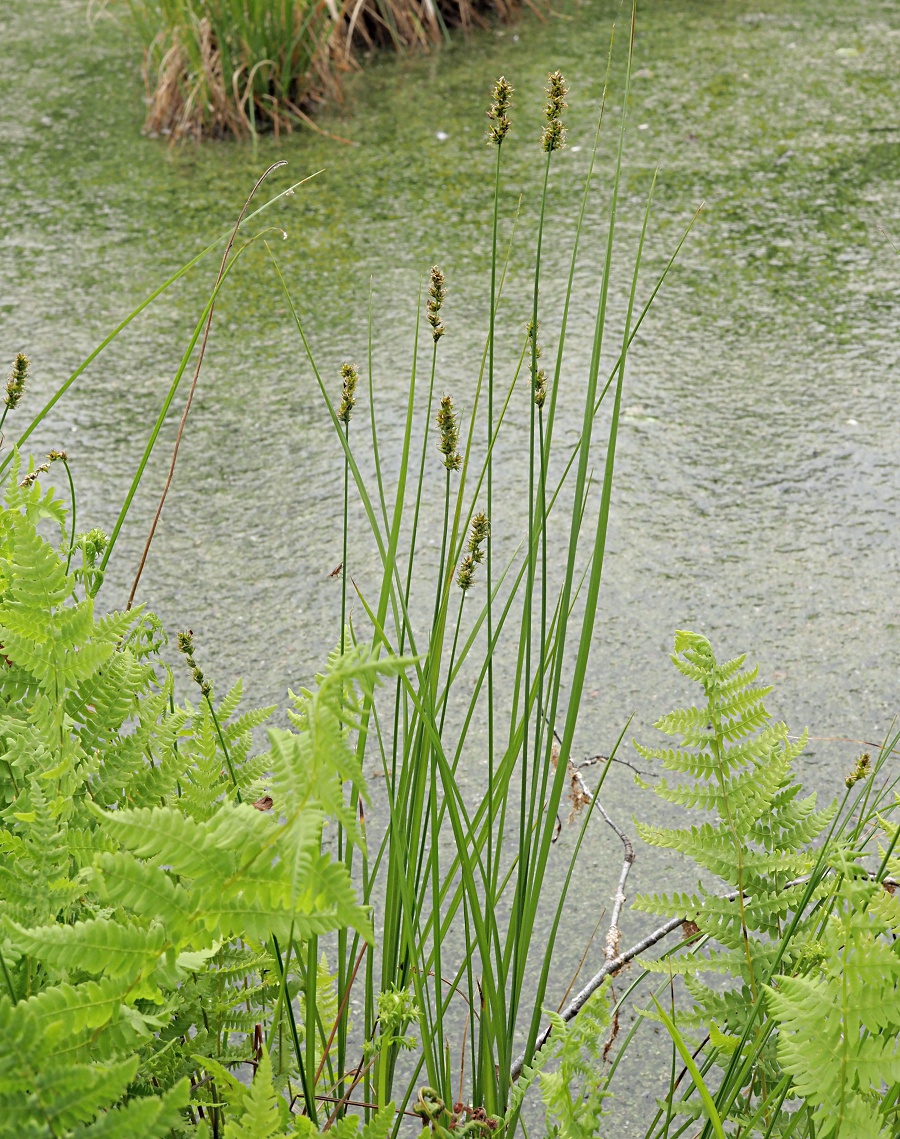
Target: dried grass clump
215	68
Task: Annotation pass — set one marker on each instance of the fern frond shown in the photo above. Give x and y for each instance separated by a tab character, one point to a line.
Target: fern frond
715	849
840	1024
172	839
150	1117
62	1096
264	1112
144	888
736	763
138	896
71	1008
101	946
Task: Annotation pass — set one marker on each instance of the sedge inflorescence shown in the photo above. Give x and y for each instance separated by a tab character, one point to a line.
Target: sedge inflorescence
449	434
437	293
498	113
554	135
861	770
475	552
43	468
538	375
186	646
349	378
15	383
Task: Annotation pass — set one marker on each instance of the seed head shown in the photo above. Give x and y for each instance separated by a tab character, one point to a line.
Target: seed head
465	576
32	476
449	430
502	96
15	384
436	295
186	646
554	136
52	457
478	535
861	770
539	386
538	375
350	378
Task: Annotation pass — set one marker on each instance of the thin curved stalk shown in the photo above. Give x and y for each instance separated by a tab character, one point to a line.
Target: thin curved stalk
187	407
135	312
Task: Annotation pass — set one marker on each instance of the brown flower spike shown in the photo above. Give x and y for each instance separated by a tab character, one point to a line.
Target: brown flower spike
502	96
15	384
539	377
554	136
449	430
186	645
436	295
479	534
350	378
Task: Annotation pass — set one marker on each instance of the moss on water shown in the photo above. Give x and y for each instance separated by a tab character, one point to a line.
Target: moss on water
781	117
756	497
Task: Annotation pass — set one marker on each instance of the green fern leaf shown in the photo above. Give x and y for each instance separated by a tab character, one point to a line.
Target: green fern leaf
66	1095
150	1117
172	839
100	945
145	889
264	1111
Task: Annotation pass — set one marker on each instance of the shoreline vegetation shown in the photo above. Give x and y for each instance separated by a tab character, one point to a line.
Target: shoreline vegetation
219	68
187	953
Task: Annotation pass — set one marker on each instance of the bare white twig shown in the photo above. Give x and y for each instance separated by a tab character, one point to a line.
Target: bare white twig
613	966
609	968
593	759
614	936
582	794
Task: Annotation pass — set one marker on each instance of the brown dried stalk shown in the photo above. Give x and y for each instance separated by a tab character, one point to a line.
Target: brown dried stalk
187	406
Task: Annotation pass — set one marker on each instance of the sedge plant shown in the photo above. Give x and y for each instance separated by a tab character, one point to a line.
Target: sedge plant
184	954
242	67
400	973
443	861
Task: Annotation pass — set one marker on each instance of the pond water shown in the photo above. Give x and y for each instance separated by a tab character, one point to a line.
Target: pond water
757	492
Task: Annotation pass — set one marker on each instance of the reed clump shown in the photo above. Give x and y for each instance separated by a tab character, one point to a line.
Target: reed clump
217	68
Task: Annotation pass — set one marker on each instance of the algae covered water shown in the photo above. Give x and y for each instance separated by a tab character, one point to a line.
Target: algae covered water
757	492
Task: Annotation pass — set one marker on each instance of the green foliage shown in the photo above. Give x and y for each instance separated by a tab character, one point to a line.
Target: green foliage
151	859
264	1114
738	767
261	1112
164	885
141	893
575	1090
396	1008
840	1023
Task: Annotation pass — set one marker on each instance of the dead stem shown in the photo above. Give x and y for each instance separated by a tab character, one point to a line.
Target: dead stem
187	406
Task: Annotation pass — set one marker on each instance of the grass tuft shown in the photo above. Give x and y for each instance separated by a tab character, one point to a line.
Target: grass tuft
217	68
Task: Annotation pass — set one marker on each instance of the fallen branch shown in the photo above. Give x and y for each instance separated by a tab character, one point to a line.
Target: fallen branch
612	966
581	795
609	968
614	936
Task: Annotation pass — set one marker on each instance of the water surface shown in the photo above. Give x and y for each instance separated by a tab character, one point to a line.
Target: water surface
757	479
